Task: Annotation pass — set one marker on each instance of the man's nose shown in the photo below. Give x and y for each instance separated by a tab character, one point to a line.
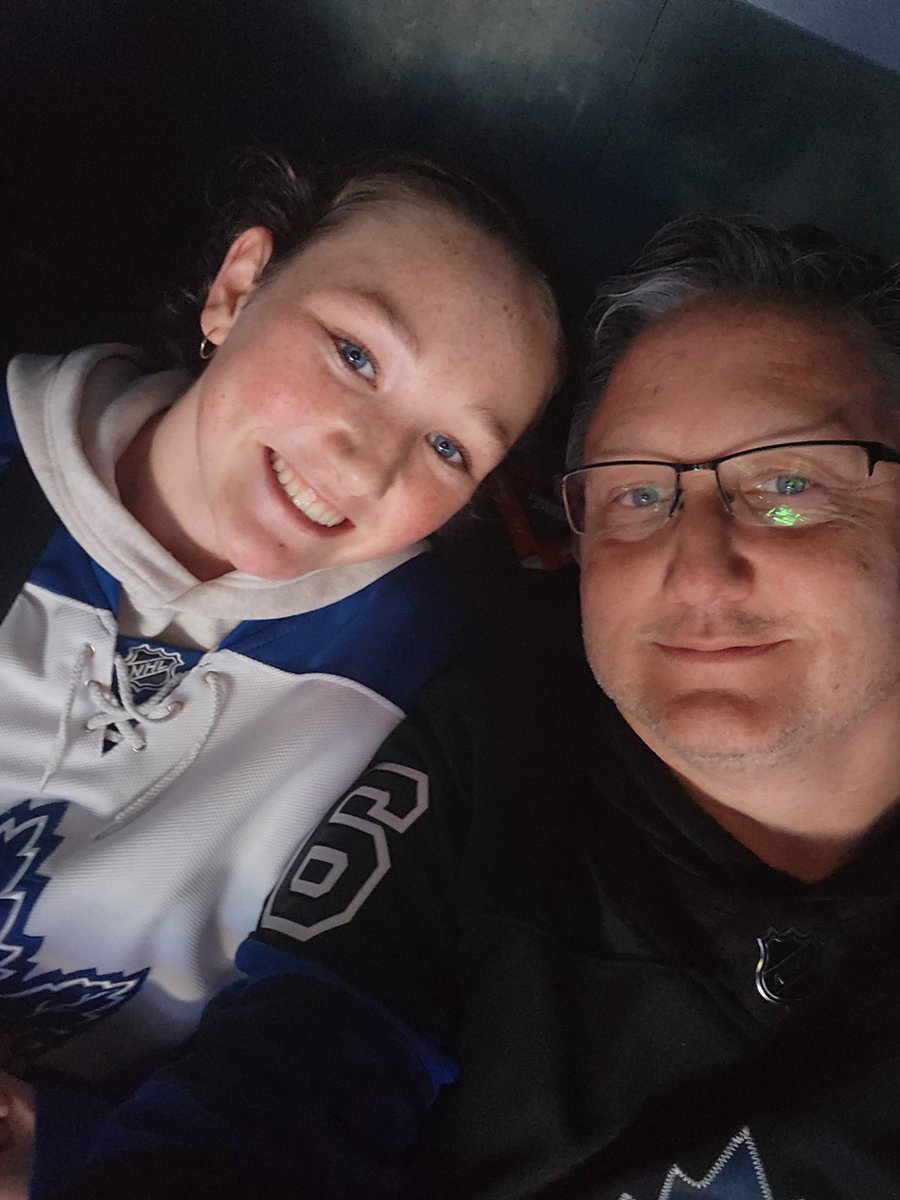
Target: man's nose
708	564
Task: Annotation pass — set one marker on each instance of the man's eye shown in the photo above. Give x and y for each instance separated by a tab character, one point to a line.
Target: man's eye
447	450
786	485
645	495
356	357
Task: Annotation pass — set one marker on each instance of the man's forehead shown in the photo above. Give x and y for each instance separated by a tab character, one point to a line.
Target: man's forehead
719	377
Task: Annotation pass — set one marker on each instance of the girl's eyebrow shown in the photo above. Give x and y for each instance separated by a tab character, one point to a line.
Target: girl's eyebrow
383	307
495	427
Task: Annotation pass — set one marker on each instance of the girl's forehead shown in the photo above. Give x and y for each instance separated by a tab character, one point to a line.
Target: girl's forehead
433	280
419	257
403	210
385	233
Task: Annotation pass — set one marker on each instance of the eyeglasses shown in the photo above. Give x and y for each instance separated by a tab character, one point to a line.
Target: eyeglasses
783	486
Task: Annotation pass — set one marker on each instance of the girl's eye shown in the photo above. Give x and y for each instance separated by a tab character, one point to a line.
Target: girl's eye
356	357
448	451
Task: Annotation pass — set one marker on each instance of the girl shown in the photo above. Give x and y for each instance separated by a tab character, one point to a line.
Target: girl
235	607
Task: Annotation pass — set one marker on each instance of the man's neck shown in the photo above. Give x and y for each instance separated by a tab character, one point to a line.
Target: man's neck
806	817
808	856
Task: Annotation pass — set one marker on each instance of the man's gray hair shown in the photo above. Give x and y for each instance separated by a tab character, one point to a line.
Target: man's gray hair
739	257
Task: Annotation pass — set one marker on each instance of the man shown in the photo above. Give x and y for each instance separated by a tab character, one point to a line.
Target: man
654	932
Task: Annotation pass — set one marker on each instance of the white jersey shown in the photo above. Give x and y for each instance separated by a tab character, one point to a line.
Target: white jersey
152	788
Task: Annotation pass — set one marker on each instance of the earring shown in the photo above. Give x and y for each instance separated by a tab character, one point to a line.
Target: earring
207	348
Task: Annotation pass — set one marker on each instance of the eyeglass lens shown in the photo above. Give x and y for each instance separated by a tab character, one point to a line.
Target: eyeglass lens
789	486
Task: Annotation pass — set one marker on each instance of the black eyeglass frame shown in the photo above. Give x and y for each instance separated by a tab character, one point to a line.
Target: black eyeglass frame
876	452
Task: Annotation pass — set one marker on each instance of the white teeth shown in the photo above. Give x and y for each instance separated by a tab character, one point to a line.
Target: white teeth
303	498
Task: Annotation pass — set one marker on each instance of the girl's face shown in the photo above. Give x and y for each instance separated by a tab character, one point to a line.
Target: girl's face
355	400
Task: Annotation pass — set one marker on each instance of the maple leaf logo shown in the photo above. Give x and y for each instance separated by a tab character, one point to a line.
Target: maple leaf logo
737	1174
42	1009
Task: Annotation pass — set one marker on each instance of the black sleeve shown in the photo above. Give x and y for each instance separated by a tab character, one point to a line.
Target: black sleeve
372	893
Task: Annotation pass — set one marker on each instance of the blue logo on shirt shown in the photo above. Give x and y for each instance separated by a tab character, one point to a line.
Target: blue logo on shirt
42	1010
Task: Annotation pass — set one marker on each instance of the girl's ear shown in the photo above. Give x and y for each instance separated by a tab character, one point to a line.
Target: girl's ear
235	281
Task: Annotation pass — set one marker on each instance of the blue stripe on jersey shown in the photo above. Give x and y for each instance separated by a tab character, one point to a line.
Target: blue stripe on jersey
260	961
413	610
339	1113
66	569
415	616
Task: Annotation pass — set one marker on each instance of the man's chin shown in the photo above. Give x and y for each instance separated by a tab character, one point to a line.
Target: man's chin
716	730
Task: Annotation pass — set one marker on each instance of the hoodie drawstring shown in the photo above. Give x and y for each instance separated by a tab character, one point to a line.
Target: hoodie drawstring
59	740
144	799
111	709
127	717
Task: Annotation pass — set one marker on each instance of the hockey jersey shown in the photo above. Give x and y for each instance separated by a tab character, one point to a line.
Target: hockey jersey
153	781
634	1006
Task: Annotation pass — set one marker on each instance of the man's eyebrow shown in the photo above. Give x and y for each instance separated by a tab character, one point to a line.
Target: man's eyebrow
384	308
833	424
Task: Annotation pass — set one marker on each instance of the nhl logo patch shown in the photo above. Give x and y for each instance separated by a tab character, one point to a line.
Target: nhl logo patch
152	668
789	966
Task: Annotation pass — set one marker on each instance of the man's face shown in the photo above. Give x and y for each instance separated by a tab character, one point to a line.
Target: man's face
727	645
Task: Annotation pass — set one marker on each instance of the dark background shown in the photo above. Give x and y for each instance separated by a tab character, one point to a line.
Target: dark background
606	116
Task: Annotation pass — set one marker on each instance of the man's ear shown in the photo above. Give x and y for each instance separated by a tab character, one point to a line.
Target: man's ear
235	281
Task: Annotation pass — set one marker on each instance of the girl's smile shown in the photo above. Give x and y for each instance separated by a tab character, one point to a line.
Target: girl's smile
355	401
